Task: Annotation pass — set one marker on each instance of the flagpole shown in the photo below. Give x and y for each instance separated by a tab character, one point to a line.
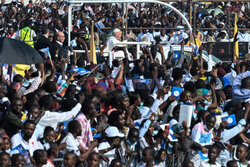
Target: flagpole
236	44
92	45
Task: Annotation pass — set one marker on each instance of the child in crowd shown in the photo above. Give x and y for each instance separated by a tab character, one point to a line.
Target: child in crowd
241	155
213	153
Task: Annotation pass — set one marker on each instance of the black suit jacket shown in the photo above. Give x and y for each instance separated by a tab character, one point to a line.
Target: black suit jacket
62	52
43	42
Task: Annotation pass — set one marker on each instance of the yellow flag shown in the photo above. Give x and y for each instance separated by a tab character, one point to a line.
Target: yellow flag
20	69
92	45
197	42
235	31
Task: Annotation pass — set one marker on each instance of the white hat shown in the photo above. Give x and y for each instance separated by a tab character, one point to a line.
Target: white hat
112	131
222	23
157	23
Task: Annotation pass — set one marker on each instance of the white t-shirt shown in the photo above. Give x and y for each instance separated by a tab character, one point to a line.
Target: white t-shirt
54	118
71	144
110	154
241	165
30	146
207	164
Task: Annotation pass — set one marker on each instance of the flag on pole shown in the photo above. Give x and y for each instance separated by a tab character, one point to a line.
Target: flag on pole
235	31
92	46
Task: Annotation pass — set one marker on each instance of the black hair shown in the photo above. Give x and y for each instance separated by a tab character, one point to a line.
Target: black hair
14	100
133	96
71	91
18	78
228	91
38	154
132	131
152	66
218	93
210	116
183	94
31	103
186	163
73	126
148	102
200	84
176	108
168	82
4	153
190	86
28	122
150	150
177	74
47	130
135	113
92	154
113	119
68	104
205	65
14	158
193	71
158	156
31	96
49	86
114	161
244	146
231	163
215	146
86	106
71	153
45	30
46	102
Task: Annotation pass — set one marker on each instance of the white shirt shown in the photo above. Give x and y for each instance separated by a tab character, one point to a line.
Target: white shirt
111	43
30	146
164	39
241	165
206	164
244	37
61	44
53	118
156	33
110	154
71	144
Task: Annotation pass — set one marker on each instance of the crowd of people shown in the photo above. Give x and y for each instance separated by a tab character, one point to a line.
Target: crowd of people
157	110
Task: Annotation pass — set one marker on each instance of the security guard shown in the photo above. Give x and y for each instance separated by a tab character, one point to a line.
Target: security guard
26	34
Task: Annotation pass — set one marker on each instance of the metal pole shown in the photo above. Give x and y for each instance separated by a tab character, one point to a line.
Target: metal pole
191	11
194	23
137	51
126	18
69	22
123	9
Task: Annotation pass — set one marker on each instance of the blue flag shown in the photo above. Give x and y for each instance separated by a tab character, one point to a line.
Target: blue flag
176	91
80	71
171	135
203	156
19	148
231	120
145	81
